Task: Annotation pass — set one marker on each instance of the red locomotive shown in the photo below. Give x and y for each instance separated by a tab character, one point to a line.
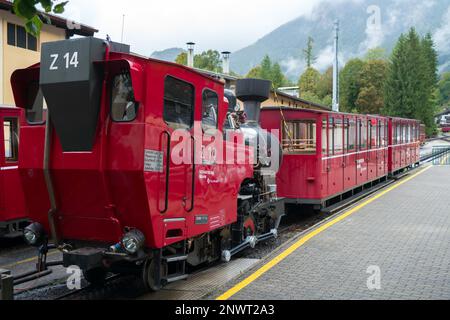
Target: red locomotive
13	215
101	130
330	156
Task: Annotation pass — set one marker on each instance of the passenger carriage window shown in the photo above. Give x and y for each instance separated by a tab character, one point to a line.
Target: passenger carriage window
363	144
123	105
380	134
373	135
346	133
299	137
178	103
210	110
331	130
11	139
324	137
36	105
338	136
352	135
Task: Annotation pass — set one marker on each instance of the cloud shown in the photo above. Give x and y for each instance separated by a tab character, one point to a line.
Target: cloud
212	24
293	67
442	35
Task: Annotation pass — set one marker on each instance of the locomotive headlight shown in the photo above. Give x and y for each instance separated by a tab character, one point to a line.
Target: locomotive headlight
133	241
34	234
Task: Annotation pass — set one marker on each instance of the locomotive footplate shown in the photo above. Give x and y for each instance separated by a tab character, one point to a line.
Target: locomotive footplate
85	258
88	258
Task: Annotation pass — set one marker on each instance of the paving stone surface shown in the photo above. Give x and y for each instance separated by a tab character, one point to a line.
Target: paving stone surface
405	235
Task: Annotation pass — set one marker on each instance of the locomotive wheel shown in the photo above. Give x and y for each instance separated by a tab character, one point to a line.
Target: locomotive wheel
249	226
148	276
96	277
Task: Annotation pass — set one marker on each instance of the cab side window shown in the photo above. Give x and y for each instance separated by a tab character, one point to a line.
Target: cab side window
210	110
178	103
11	139
123	106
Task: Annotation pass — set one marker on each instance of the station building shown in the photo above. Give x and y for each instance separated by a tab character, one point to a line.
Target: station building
19	50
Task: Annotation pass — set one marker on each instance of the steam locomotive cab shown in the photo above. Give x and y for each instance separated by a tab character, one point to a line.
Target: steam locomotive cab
127	167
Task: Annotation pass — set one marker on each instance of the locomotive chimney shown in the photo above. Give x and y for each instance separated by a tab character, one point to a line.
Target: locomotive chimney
226	62
252	92
190	54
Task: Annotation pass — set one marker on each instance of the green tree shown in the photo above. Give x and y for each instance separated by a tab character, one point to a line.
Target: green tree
376	54
269	71
350	84
371	95
208	60
277	76
312	97
182	59
266	68
308	81
309	54
444	89
34	19
411	82
325	84
254	73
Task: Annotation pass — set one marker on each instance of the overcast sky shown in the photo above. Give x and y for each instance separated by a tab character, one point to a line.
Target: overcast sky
160	24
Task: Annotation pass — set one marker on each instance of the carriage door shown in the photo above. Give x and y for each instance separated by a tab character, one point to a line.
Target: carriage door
9	157
177	143
350	153
361	157
325	156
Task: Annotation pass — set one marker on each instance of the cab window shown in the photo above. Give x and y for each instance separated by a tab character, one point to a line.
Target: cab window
210	110
178	103
11	139
123	105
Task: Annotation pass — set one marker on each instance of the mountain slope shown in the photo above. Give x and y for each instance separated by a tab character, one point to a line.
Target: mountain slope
364	24
168	54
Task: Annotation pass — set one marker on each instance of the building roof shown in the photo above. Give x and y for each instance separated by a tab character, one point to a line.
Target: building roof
445	112
82	30
302	101
228	77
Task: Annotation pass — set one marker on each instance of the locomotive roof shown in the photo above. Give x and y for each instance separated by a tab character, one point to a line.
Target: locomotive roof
173	64
9	107
56	21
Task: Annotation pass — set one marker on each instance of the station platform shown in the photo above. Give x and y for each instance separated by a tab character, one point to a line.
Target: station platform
394	245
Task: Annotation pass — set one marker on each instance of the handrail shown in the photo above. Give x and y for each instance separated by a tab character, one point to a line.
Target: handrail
193	176
166	196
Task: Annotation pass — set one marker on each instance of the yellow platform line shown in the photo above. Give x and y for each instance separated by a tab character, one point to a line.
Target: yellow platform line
228	294
8	266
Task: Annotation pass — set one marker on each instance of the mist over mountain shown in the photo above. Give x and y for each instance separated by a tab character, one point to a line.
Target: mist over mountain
364	24
168	54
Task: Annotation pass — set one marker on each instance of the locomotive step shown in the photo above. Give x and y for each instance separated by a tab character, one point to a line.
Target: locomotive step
175	277
175	258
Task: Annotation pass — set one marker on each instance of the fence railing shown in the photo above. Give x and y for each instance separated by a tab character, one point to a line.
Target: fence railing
441	155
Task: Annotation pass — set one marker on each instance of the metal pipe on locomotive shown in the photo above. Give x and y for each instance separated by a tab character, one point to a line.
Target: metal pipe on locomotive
97	167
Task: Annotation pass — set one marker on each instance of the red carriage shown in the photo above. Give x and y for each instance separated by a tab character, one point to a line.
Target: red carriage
13	214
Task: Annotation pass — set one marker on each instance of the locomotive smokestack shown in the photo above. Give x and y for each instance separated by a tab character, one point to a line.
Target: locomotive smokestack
190	54
226	62
252	92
